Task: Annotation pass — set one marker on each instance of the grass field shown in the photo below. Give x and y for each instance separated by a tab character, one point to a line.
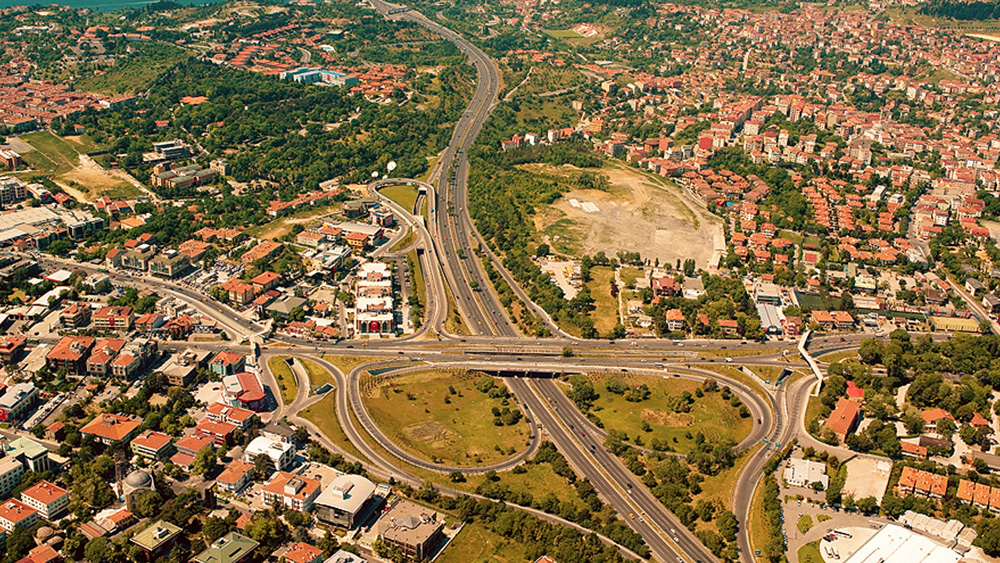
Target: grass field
710	415
562	33
838	356
629	275
324	415
809	553
417	279
758	524
719	488
421	414
805	524
813	408
476	544
283	375
405	196
453	323
605	313
137	71
318	375
54	153
406	241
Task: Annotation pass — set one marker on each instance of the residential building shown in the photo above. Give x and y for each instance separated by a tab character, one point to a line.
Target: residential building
15	514
932	417
48	499
76	315
265	281
844	418
113	318
109	428
675	320
280	453
152	445
235	477
303	553
230	548
923	483
414	530
70	353
156	540
11	471
266	250
220	432
181	369
188	448
99	362
291	491
220	412
345	500
11	348
227	363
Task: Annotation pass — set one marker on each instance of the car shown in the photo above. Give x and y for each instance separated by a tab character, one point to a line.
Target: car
631	515
729	360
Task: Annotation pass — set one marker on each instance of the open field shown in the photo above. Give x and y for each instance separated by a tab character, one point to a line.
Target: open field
838	356
637	213
324	415
52	152
283	225
910	16
562	33
605	313
711	414
405	196
476	544
283	375
77	174
318	375
136	72
420	412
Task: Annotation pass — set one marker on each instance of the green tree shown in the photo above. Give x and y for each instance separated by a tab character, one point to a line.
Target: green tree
204	462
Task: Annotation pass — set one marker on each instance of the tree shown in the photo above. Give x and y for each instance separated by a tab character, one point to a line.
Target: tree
99	550
989	536
205	461
215	527
262	467
868	505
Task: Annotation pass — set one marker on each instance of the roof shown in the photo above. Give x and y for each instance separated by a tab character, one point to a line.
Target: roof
156	535
230	413
302	553
70	348
304	487
227	358
14	511
843	416
194	443
934	415
265	278
347	493
855	392
234	472
978	420
227	549
111	426
43	492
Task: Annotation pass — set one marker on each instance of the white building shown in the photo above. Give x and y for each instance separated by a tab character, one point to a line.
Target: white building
281	453
343	501
895	544
803	473
48	499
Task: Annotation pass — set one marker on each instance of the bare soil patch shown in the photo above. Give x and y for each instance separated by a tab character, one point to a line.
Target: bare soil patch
667	418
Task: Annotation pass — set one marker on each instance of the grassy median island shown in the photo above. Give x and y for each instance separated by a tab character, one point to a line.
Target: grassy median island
450	417
668	409
282	373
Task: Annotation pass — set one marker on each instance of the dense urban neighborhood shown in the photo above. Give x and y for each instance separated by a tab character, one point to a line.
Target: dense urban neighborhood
345	282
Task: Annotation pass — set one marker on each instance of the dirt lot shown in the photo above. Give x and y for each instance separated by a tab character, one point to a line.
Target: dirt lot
638	214
866	478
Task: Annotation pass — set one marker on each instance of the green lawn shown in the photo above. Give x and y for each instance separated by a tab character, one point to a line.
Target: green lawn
629	275
417	278
805	524
318	375
605	313
758	522
324	415
476	544
710	414
420	413
406	241
809	553
562	33
823	518
283	375
838	356
405	196
54	153
791	236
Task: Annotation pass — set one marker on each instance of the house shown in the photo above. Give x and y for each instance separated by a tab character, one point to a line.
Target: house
152	445
181	369
992	303
99	362
188	448
156	539
665	286
978	421
280	453
265	281
227	363
238	292
974	286
844	418
934	416
70	353
923	483
412	529
803	473
303	553
675	320
913	450
110	428
235	477
220	412
344	501
42	554
230	548
291	491
220	432
48	499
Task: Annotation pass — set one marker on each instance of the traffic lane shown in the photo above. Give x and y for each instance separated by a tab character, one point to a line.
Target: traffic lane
568	446
579	423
